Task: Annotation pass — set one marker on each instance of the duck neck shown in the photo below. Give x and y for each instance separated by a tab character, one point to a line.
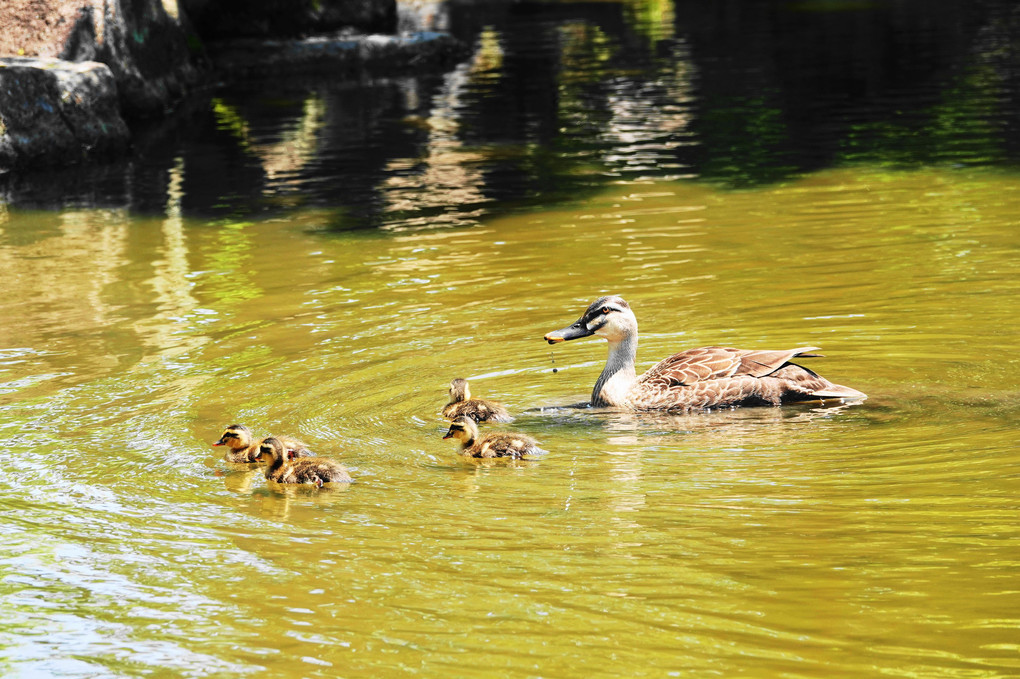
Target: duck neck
277	463
472	436
618	376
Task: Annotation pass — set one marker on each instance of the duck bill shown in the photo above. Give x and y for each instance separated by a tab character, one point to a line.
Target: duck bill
449	435
571	332
221	442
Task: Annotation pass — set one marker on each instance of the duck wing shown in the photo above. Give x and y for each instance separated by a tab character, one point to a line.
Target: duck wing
505	444
687	368
316	470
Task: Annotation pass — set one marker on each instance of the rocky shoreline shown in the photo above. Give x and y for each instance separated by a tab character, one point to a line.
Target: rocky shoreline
68	95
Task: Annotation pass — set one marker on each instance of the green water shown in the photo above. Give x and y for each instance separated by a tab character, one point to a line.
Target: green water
874	539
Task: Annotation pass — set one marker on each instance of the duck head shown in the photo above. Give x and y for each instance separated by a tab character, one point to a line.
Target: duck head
459	390
236	436
609	317
271	452
463	429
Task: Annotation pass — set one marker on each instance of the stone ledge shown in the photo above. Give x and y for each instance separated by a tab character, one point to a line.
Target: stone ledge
343	55
58	112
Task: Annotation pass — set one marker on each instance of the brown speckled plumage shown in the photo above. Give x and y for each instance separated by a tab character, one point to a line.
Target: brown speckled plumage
706	377
478	409
244	449
491	444
303	470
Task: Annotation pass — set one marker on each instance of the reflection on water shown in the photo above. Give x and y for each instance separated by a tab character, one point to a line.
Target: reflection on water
558	100
218	279
274	500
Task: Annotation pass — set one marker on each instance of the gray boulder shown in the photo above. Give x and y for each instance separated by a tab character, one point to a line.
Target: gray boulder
56	112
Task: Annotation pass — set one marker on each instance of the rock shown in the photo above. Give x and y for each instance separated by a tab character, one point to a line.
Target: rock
54	111
232	19
146	43
339	55
423	15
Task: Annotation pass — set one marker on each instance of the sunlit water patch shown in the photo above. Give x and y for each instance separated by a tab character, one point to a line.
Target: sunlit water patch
818	539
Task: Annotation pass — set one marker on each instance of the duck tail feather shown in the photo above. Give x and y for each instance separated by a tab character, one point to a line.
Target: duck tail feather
838	391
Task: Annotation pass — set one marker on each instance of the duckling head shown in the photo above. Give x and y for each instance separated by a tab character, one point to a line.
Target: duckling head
609	317
463	429
235	436
459	390
272	452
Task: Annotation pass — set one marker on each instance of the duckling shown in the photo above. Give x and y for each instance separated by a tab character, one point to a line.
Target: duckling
478	409
491	444
244	449
707	377
308	470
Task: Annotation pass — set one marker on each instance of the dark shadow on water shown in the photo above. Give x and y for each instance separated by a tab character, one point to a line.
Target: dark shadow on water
559	99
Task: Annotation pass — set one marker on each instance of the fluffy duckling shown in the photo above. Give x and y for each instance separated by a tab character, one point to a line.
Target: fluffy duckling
311	470
491	444
477	409
243	448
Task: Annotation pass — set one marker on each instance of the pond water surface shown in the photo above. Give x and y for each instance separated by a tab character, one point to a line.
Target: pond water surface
322	263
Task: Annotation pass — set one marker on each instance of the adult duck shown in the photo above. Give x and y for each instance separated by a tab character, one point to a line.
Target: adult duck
707	377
